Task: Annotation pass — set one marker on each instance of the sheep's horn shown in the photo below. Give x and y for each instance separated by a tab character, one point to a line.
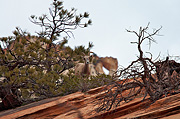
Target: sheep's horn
83	53
90	53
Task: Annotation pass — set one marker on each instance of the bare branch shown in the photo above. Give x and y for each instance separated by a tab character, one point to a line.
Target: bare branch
143	77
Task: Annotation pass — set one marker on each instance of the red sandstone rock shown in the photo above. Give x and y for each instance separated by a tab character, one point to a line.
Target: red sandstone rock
79	106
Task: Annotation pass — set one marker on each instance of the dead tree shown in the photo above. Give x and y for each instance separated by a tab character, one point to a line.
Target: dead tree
142	78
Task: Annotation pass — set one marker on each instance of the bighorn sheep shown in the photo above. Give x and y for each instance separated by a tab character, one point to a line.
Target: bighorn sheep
86	68
109	63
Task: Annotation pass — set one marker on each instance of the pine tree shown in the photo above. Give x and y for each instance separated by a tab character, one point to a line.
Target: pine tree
32	64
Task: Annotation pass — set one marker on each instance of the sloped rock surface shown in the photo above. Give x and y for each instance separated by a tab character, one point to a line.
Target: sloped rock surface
80	106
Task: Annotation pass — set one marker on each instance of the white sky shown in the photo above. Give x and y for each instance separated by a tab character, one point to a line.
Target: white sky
110	19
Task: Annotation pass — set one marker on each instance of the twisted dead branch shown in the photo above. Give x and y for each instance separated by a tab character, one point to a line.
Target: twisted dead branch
143	77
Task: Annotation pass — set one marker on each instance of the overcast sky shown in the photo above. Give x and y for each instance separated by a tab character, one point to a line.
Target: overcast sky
110	19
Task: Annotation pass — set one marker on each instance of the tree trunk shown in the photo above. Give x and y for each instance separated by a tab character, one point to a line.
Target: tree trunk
9	98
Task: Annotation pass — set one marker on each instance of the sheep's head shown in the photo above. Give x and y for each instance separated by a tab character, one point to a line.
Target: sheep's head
87	58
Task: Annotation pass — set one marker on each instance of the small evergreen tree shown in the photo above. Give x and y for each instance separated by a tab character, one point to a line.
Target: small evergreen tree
32	64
